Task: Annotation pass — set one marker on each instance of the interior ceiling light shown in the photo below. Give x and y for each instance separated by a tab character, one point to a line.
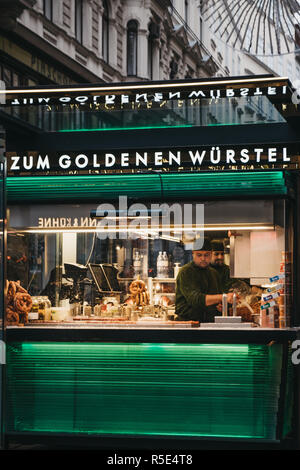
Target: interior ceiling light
152	231
258	27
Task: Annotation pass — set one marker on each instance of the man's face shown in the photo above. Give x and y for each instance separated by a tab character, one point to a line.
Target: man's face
202	258
217	257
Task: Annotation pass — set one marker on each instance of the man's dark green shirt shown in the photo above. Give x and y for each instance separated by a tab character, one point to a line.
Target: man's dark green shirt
192	285
224	273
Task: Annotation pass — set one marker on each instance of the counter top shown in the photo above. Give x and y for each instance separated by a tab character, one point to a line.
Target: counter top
98	333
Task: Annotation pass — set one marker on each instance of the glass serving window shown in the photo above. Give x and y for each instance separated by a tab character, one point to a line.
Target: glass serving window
86	265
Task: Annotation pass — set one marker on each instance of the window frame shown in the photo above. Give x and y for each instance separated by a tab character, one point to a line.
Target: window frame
105	32
78	5
132	28
48	9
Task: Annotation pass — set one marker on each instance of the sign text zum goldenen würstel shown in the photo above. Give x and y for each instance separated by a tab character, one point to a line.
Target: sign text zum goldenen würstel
99	97
147	160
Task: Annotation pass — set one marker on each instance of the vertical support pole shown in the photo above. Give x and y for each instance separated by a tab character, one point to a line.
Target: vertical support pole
2	283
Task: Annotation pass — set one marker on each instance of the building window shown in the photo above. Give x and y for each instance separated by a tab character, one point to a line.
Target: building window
173	69
150	57
78	20
13	78
186	11
154	32
105	31
132	30
201	29
48	9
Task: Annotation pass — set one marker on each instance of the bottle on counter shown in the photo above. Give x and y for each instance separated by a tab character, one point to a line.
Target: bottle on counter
159	265
137	264
47	307
165	264
42	308
34	313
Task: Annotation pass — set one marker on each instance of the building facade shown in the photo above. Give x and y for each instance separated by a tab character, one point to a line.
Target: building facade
81	41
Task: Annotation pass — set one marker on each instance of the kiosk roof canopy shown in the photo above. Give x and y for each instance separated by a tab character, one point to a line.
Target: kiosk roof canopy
148	105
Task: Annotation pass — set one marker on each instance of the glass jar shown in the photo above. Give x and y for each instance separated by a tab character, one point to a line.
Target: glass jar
35	304
42	308
45	307
33	315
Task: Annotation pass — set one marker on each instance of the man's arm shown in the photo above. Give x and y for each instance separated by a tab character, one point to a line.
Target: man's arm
192	292
217	299
213	299
193	295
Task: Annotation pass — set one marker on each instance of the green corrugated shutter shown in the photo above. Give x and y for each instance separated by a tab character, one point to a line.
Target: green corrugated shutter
145	186
66	188
225	184
148	389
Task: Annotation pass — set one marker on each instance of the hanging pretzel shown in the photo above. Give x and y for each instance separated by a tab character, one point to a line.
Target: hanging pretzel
11	292
137	287
18	303
20	288
12	316
138	293
22	303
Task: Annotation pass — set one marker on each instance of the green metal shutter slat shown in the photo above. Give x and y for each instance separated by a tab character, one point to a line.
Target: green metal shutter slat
224	184
54	188
145	186
189	390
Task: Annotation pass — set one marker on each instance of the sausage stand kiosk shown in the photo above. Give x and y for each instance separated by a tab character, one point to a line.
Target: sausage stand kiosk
96	178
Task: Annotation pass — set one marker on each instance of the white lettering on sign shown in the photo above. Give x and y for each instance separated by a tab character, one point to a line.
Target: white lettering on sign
215	155
66	222
296	354
245	156
155	96
244	91
272	154
14	166
110	159
171	158
43	163
81	161
285	156
96	163
124	159
64	162
141	159
158	158
197	158
258	153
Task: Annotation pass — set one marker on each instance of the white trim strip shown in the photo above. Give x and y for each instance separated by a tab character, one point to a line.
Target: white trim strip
146	86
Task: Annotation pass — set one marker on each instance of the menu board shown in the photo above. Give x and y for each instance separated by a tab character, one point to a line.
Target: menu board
105	277
111	274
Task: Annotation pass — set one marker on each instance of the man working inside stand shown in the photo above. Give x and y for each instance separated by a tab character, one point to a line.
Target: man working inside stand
198	287
217	262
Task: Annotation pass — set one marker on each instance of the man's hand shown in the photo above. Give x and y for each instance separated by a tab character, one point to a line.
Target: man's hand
219	307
